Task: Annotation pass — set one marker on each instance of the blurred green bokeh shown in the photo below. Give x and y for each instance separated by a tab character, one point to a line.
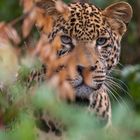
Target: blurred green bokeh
9	9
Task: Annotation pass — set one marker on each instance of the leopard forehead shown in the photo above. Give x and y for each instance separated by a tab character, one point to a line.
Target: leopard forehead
85	22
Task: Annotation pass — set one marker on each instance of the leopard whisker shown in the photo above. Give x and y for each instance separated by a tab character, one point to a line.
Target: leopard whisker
118	80
111	79
120	103
119	87
113	89
115	70
120	64
112	94
116	84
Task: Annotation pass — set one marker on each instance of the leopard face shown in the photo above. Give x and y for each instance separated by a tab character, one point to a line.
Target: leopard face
100	30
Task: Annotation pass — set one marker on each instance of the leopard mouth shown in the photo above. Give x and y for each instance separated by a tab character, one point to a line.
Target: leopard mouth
97	87
84	91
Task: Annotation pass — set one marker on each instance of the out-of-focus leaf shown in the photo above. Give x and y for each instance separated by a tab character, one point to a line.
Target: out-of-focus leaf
8	62
24	129
29	20
8	33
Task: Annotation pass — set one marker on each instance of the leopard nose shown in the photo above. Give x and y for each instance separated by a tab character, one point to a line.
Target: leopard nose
80	69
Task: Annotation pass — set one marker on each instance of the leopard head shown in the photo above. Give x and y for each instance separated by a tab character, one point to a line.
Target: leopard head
100	30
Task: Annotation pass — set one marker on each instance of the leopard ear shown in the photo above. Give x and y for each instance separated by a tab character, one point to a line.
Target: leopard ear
119	15
53	8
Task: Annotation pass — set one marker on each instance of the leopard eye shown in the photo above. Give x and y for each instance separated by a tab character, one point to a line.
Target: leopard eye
101	41
66	39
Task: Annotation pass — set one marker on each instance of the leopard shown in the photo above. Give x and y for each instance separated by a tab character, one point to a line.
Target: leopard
101	30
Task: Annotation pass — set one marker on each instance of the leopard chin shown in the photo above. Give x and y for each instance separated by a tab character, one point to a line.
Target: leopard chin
84	91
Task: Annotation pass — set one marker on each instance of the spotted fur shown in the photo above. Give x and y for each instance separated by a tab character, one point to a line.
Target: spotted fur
102	31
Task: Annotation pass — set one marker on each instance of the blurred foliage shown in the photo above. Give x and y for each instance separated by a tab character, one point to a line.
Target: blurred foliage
9	9
80	125
18	113
131	75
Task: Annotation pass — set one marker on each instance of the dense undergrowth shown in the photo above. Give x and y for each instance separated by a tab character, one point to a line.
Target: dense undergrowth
18	120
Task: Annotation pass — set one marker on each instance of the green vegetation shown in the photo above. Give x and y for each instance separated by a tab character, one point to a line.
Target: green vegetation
20	121
9	9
